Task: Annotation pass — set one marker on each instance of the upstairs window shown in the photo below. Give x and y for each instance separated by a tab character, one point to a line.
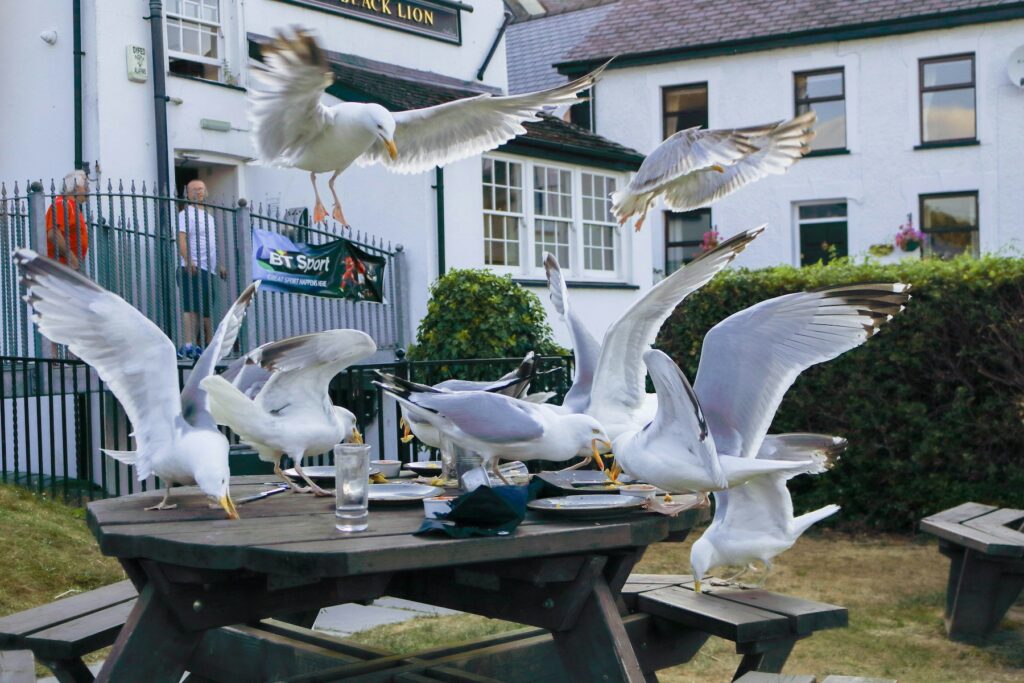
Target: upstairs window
599	228
503	211
950	223
684	106
824	93
947	99
193	38
552	214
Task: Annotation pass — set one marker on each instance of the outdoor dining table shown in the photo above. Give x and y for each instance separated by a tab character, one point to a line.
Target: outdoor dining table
196	571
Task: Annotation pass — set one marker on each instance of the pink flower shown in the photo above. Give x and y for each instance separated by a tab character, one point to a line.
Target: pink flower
710	240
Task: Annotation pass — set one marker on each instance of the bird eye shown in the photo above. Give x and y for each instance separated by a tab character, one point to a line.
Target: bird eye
595	431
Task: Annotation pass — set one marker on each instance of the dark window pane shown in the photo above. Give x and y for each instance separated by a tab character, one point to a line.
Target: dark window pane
949	213
685	107
501	173
948	73
834	210
677	256
689	226
822	241
948	115
820	85
488	170
950	244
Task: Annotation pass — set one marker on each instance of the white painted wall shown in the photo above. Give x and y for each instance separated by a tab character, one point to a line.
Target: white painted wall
883	175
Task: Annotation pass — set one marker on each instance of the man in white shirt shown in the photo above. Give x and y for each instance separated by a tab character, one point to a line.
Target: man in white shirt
197	247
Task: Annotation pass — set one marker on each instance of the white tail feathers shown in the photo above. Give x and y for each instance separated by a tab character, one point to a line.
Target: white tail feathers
231	407
126	457
806	521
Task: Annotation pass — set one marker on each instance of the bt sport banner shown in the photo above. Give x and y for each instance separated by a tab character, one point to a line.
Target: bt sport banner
337	269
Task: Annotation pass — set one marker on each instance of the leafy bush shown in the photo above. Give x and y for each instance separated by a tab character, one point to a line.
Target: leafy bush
474	313
932	405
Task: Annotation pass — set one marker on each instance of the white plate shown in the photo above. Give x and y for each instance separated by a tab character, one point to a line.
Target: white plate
425	468
588	506
320	472
402	493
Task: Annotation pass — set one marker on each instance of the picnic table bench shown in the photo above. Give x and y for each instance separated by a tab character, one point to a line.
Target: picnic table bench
985	548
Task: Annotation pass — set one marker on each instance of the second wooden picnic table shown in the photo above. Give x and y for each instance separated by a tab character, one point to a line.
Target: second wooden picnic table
197	571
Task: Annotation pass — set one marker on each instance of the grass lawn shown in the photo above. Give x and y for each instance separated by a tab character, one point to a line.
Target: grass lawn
893	586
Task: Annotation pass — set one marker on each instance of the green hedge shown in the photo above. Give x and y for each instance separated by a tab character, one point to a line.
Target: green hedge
932	405
474	313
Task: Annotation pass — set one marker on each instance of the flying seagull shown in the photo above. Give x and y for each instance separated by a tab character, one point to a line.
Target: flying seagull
585	348
175	436
292	128
292	413
696	167
497	426
755	521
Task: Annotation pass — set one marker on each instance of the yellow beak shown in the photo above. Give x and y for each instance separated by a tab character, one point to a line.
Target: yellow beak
407	435
229	507
696	585
718	168
392	150
356	436
596	454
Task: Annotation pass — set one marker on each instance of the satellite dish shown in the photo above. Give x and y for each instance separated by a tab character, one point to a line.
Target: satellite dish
1016	67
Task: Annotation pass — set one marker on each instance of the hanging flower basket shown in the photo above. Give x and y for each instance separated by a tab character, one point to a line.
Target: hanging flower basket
909	239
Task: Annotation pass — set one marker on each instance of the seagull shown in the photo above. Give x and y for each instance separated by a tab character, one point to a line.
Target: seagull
585	348
618	397
292	414
175	436
694	167
497	426
755	521
292	128
416	423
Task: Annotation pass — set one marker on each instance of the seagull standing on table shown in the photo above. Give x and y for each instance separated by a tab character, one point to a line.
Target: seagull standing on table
497	426
695	167
175	436
292	414
292	128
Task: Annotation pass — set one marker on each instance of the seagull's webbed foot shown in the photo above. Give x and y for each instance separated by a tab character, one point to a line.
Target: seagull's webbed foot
497	472
581	464
339	215
163	505
319	212
316	490
288	480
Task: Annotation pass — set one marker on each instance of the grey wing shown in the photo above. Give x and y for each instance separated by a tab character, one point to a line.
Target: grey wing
194	404
586	349
246	376
687	151
302	367
776	149
285	110
619	377
761	506
751	358
439	135
485	416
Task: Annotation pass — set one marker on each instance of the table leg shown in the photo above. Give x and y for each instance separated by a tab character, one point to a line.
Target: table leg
152	646
597	647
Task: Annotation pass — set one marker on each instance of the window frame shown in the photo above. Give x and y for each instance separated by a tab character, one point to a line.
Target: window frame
798	223
519	216
921	198
664	100
922	90
527	225
219	62
825	151
685	243
609	223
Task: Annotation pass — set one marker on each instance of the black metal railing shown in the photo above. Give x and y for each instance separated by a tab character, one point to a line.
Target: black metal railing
56	416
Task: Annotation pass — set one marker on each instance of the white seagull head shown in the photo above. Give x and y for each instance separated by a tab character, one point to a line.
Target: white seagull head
382	123
212	474
702	559
591	436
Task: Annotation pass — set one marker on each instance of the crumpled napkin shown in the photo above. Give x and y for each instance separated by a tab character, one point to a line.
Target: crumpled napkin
485	511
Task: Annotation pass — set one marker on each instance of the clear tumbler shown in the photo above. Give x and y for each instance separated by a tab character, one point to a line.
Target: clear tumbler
351	486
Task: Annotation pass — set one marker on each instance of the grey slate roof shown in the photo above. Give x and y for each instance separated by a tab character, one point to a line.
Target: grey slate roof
649	26
552	7
533	47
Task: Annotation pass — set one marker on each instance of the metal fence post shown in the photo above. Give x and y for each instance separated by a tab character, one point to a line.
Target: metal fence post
243	238
37	239
400	294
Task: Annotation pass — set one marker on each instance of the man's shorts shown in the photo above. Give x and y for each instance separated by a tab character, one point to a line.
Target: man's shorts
196	291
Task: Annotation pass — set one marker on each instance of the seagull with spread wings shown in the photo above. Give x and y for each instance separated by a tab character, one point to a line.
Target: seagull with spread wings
293	128
292	413
176	438
697	167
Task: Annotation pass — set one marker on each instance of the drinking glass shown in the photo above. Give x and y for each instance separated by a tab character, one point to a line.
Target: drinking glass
351	486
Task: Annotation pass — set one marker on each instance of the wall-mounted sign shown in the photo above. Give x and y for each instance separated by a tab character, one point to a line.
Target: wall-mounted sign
137	63
439	19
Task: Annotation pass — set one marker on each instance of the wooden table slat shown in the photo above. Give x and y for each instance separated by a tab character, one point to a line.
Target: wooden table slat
731	620
975	539
961	513
66	609
80	636
805	616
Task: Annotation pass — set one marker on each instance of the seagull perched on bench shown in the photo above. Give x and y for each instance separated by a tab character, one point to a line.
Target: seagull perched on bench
176	438
292	413
292	128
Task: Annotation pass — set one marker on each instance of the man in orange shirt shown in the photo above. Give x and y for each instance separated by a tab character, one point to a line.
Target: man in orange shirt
68	246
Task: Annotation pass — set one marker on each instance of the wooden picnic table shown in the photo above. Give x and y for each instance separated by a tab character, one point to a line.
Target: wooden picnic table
197	571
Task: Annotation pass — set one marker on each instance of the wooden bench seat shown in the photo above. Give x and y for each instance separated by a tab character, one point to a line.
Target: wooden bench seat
764	625
758	677
60	633
985	548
